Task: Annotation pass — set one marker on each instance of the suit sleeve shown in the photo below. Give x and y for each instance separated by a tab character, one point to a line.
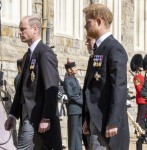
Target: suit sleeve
117	63
72	97
15	107
50	77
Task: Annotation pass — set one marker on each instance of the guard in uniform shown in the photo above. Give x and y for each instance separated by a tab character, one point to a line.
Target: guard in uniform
136	67
74	107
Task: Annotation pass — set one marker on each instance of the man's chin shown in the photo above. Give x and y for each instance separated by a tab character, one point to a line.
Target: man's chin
23	40
91	35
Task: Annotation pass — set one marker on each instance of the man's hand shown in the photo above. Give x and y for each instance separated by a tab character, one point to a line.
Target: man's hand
9	123
111	131
85	128
44	125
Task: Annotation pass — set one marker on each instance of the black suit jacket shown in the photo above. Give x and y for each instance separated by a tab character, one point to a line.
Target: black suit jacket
106	98
40	94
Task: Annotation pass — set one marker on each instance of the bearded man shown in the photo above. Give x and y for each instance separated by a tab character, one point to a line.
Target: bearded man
105	85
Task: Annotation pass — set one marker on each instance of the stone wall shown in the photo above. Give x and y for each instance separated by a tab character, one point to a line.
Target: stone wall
12	48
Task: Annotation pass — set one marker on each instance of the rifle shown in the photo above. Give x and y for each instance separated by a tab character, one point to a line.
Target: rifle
141	134
137	127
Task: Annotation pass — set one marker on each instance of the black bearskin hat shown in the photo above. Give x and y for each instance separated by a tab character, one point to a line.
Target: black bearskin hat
144	63
136	62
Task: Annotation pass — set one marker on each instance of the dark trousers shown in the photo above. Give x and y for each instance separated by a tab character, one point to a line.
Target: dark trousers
75	132
142	108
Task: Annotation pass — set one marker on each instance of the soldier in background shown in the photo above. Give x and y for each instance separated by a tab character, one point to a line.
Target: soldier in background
144	64
74	107
136	67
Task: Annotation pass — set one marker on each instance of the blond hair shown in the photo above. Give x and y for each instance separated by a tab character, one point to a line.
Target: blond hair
99	10
34	21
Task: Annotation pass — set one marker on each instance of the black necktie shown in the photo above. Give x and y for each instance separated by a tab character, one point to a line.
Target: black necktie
28	54
94	47
28	58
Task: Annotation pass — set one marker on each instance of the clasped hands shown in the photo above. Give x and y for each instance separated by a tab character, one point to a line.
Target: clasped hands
110	130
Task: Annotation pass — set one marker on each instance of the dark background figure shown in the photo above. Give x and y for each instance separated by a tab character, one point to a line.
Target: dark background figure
19	68
144	64
74	107
138	80
86	137
35	100
105	86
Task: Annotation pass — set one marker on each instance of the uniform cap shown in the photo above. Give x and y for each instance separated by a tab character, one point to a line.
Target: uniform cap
69	64
136	62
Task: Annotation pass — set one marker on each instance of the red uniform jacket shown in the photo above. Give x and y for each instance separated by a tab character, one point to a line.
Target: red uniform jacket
138	87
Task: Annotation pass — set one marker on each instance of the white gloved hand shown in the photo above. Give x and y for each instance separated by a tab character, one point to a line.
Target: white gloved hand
64	97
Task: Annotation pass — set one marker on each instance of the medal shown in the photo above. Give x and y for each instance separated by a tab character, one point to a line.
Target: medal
97	60
32	76
94	64
97	76
33	63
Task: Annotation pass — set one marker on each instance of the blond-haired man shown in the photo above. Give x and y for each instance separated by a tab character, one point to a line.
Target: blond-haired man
105	86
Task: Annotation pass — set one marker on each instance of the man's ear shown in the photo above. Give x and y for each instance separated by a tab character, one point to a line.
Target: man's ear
35	28
99	20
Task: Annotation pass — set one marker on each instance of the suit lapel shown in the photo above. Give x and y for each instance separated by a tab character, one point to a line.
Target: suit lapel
99	51
32	61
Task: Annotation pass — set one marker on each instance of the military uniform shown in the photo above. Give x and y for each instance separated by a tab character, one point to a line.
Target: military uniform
136	64
74	111
142	103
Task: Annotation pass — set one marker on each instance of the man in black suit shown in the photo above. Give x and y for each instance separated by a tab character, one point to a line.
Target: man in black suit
35	101
105	86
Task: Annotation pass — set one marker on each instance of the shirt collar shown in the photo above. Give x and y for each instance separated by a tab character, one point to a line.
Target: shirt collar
33	46
102	38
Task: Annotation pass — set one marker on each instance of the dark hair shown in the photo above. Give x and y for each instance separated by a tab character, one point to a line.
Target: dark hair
99	10
19	62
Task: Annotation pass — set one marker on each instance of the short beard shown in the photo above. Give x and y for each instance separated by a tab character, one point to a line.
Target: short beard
93	33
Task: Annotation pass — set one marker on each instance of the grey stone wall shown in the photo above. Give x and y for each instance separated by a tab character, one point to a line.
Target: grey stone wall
12	48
